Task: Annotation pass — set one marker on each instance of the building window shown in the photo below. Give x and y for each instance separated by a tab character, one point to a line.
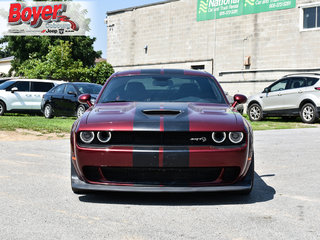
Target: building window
198	67
311	17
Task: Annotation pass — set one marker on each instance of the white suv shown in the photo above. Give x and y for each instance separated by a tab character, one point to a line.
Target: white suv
23	95
291	96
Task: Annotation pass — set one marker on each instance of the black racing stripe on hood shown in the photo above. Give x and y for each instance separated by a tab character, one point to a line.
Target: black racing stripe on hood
179	123
144	122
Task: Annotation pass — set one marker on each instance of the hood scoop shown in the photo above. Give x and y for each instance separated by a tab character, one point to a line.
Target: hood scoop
161	112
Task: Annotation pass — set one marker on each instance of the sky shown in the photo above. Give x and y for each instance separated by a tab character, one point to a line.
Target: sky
97	14
99	28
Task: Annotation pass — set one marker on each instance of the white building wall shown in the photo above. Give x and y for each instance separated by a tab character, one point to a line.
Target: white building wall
175	39
5	67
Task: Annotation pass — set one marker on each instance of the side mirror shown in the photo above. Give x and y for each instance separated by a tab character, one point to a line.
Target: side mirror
72	93
85	99
14	89
266	90
239	99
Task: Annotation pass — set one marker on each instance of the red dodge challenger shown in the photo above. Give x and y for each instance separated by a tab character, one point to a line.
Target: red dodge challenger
162	130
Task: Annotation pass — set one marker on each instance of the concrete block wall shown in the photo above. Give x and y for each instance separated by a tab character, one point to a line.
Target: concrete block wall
5	67
170	31
175	39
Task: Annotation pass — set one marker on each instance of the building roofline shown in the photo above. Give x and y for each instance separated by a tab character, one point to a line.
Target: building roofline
36	80
137	7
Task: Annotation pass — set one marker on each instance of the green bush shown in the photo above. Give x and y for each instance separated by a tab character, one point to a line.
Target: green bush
58	64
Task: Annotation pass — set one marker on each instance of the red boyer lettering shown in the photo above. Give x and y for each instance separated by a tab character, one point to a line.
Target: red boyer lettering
34	15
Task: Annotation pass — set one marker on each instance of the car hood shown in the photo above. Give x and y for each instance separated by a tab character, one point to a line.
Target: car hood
142	116
256	97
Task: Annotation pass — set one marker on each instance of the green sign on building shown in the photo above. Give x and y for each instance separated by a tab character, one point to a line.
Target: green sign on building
215	9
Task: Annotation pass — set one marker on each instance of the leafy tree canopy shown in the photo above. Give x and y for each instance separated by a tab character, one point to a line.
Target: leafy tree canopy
59	64
24	47
4	51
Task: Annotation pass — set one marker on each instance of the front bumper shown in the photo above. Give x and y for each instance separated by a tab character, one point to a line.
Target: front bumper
202	157
78	185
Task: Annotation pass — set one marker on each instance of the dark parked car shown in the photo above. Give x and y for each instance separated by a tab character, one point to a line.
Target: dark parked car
63	99
162	131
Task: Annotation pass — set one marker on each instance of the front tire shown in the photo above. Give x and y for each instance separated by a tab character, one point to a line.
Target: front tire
2	108
255	112
308	113
48	111
80	111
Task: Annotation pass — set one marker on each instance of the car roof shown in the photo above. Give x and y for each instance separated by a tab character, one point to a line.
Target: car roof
317	75
84	83
163	71
37	80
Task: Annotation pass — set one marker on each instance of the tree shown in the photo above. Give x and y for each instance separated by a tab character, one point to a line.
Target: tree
4	51
100	71
59	64
23	47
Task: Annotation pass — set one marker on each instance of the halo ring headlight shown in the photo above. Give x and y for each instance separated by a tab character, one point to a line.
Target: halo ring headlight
235	137
87	137
104	137
219	137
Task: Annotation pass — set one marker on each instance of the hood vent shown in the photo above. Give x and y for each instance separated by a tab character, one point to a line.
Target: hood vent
161	112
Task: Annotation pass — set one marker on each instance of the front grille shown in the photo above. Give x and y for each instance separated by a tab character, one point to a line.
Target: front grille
158	176
162	139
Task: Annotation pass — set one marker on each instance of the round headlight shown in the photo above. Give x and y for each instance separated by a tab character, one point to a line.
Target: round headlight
235	137
104	137
219	137
87	137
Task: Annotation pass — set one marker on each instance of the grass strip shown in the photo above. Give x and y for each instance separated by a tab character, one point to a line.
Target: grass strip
36	123
279	123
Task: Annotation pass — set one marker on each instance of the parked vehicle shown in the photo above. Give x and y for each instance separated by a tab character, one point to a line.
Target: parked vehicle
162	130
292	96
2	80
23	95
63	99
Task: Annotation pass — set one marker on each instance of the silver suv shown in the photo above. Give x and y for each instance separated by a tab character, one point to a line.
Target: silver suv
292	96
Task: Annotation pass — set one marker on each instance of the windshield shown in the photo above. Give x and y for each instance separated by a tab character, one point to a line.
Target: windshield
6	84
162	88
88	88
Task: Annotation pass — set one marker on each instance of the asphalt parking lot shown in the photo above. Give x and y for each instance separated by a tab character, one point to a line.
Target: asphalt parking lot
36	200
